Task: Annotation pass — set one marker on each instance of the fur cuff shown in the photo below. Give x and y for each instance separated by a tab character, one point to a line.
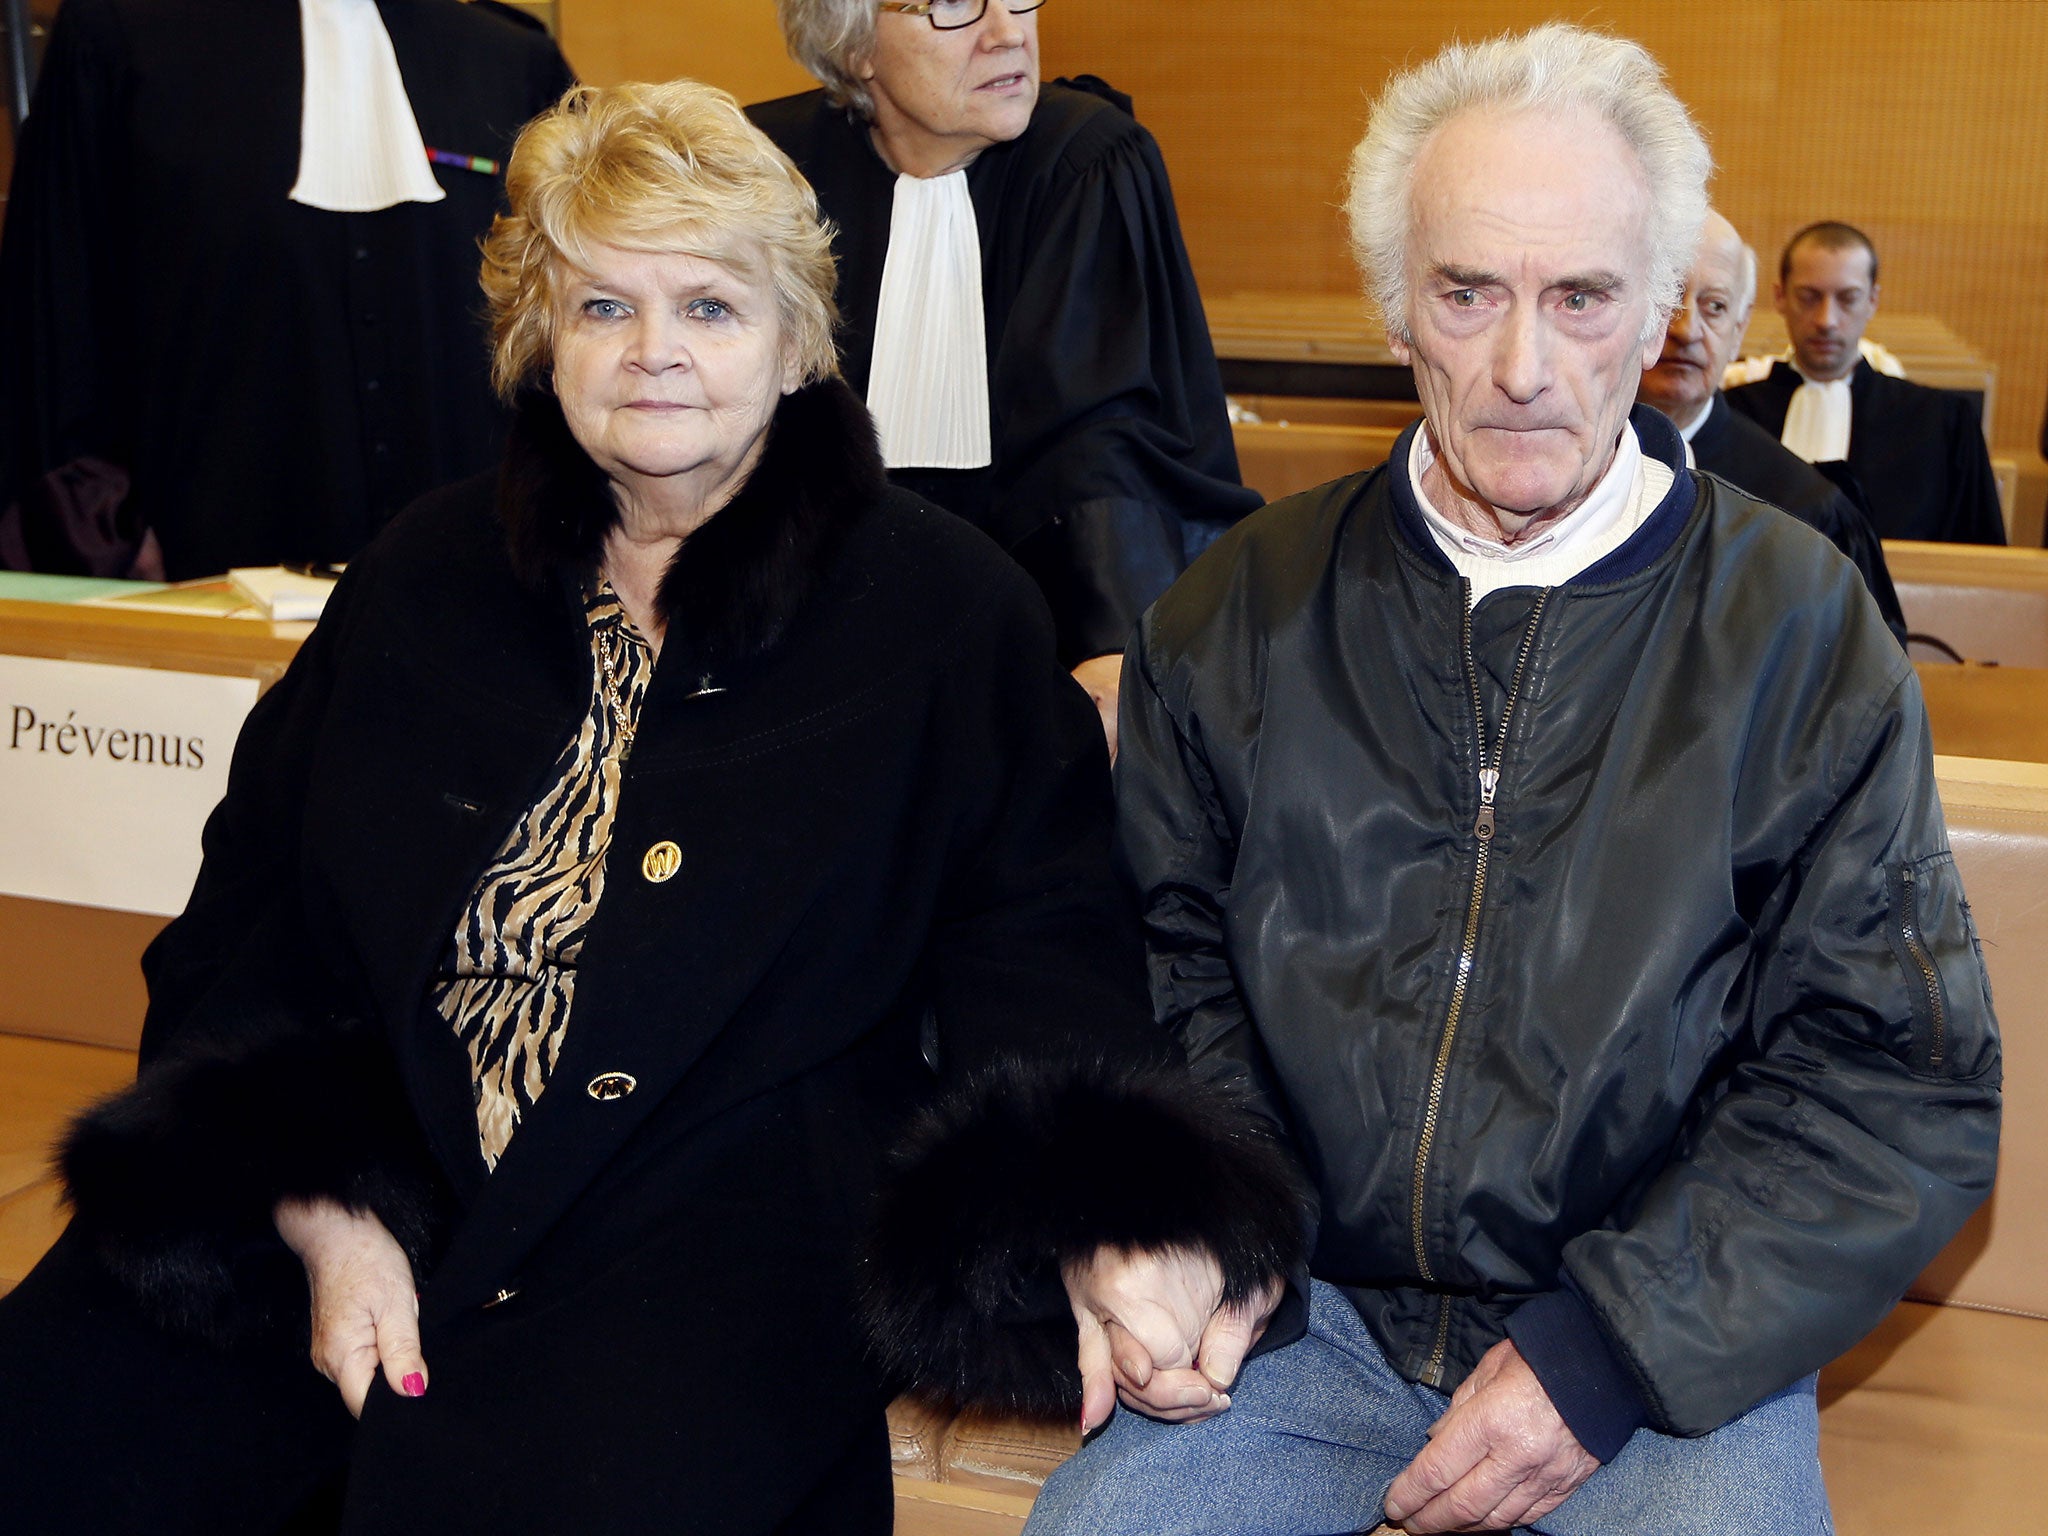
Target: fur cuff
173	1179
1020	1170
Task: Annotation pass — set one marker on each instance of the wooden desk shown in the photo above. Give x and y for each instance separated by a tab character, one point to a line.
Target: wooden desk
1333	344
1992	712
69	972
1305	344
1277	459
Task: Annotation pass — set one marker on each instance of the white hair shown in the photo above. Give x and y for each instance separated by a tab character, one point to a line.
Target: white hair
833	39
1745	279
1555	68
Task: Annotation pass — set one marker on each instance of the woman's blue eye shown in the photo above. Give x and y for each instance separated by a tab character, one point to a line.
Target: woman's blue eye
604	309
709	309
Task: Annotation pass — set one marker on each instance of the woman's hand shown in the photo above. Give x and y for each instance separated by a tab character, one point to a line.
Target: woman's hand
365	1310
1101	676
1156	1335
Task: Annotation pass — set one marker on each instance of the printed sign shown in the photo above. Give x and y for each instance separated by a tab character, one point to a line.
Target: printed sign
107	775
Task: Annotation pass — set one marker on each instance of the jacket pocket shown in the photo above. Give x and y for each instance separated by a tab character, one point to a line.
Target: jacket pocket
1936	945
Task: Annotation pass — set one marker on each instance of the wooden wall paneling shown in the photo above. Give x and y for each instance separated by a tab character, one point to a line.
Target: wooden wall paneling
732	44
1922	120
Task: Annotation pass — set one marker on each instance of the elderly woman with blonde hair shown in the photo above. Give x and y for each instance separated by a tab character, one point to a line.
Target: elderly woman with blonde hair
650	835
1020	312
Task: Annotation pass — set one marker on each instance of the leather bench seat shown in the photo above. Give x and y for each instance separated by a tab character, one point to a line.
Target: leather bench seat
1984	602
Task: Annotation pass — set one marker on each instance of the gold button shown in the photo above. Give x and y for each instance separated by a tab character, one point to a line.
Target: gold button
661	861
611	1085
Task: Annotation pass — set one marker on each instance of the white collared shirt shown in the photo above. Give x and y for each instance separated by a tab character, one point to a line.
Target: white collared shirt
1619	503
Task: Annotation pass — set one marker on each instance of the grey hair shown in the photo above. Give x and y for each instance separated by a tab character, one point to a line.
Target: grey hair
1745	279
1554	68
833	39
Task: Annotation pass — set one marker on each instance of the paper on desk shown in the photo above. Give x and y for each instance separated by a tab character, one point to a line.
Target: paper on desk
213	597
281	593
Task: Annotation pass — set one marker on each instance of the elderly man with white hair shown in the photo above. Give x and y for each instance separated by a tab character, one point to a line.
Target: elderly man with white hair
1702	338
1544	837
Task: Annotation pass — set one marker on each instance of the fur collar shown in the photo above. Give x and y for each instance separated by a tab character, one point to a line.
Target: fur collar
736	582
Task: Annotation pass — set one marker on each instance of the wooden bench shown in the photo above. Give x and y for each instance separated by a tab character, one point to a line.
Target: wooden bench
1934	1423
43	1083
1299	442
1988	604
1335	344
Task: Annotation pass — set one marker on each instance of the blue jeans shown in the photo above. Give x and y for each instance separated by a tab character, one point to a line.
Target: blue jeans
1318	1430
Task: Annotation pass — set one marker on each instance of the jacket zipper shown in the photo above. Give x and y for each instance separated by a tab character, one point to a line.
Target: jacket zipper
1483	829
1909	930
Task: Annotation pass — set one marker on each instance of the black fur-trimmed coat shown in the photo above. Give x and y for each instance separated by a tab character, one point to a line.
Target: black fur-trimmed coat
894	925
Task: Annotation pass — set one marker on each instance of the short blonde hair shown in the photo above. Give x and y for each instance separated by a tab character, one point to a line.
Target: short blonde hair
833	39
671	167
1554	68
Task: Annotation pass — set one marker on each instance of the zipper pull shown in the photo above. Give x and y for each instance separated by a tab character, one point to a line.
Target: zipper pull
1489	782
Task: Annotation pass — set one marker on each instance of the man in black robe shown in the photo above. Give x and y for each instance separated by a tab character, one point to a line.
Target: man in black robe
1702	339
264	380
1918	453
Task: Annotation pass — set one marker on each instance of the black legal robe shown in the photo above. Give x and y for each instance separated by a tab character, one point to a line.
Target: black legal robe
275	380
1112	455
1918	453
1750	459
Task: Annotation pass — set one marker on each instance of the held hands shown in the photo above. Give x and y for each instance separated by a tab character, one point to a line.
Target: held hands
1101	676
1499	1457
365	1311
1156	1335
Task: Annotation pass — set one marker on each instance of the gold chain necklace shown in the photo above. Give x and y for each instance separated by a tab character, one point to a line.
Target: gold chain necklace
608	678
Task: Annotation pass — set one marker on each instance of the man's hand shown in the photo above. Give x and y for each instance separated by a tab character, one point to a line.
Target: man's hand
1155	1334
1499	1457
365	1311
1101	676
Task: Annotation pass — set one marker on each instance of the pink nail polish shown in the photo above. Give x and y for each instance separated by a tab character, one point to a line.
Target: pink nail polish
415	1384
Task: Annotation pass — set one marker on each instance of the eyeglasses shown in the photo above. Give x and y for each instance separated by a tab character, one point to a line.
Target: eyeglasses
952	15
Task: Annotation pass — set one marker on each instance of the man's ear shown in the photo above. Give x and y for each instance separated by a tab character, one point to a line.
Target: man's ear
1653	344
1398	344
1874	291
1778	297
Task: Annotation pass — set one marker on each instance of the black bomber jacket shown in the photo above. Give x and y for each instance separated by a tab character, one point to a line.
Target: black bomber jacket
1600	950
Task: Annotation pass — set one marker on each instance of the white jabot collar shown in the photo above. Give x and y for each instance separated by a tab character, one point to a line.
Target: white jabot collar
1817	421
928	384
359	143
1617	506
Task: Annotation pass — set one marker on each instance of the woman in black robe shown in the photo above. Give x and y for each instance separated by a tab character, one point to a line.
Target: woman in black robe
1110	457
